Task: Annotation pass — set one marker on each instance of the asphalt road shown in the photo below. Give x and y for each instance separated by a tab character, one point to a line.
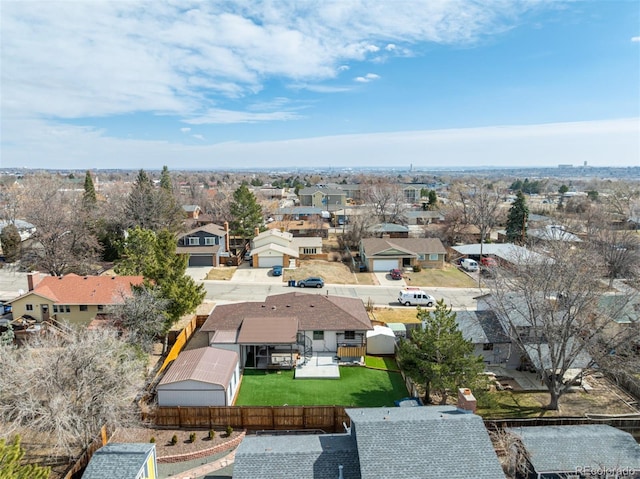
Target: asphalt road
13	283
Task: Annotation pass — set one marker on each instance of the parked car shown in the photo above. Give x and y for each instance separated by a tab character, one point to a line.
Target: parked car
488	262
276	270
312	282
395	273
469	264
415	297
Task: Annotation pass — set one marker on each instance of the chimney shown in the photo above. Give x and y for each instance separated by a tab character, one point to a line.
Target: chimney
256	231
226	238
33	278
466	401
340	476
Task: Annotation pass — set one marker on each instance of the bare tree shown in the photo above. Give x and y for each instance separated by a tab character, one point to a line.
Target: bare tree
620	250
555	311
69	386
512	454
387	202
62	241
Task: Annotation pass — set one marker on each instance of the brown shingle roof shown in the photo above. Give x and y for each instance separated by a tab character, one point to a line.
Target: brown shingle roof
314	312
374	246
212	228
74	289
260	330
207	365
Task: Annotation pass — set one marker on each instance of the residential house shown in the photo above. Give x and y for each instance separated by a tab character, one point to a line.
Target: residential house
206	245
391	230
123	461
274	332
430	442
383	254
583	451
504	253
300	228
72	298
273	248
297	213
423	217
329	199
191	211
485	331
552	233
201	377
308	247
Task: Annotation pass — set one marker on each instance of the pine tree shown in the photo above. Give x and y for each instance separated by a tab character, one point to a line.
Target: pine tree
433	199
165	180
89	199
246	213
152	208
11	243
437	355
517	220
11	467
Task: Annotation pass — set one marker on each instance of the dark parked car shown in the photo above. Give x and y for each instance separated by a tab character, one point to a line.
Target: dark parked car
395	273
276	270
311	283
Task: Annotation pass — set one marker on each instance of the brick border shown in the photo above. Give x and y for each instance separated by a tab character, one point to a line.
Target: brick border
204	452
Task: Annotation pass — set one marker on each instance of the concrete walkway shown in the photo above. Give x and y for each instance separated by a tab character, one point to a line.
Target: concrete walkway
208	468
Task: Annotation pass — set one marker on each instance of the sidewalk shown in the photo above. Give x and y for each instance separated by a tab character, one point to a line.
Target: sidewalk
173	469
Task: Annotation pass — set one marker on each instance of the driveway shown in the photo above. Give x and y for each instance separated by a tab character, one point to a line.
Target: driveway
384	279
246	274
198	273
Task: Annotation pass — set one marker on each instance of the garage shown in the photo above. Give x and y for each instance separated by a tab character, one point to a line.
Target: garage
201	260
384	264
269	261
201	377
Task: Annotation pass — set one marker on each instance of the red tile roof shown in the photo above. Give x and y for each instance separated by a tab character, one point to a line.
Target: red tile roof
74	289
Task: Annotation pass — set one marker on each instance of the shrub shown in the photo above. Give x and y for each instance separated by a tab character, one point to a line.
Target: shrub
417	268
174	440
212	434
229	430
152	440
192	437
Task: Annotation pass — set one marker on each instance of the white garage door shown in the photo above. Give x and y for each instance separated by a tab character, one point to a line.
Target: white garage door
269	261
384	264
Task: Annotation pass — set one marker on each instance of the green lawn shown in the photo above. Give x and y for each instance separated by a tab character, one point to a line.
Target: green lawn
507	404
382	362
357	387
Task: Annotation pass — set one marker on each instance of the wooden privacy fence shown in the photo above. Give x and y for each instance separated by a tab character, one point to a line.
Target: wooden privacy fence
181	340
630	425
326	418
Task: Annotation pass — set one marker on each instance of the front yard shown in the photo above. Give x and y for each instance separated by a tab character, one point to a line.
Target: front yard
357	387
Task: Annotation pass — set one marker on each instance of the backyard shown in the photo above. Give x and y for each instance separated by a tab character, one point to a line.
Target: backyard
357	387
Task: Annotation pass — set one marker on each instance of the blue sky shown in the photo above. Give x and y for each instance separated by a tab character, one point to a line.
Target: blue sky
345	83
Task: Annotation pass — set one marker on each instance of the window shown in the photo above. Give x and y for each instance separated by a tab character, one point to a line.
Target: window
61	308
83	307
194	241
101	307
349	335
318	335
309	250
55	308
210	240
29	307
487	347
421	257
433	257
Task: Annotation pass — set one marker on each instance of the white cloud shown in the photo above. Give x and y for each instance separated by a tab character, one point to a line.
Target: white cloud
185	130
216	115
343	68
600	143
367	78
635	39
91	59
198	137
390	47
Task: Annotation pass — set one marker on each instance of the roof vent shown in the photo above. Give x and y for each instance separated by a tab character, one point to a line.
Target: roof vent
274	308
340	476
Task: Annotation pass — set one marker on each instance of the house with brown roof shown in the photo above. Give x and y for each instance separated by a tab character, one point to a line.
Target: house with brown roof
273	248
201	377
72	298
274	333
384	254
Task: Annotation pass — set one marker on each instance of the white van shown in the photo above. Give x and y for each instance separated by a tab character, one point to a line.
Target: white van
415	297
469	264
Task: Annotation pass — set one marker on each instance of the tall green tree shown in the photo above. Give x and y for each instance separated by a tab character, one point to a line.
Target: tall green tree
11	243
246	213
11	455
437	355
433	200
153	255
89	198
517	220
165	180
152	208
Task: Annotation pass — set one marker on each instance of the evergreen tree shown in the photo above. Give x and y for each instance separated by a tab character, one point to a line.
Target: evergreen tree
151	208
437	355
246	213
11	243
517	220
433	199
165	180
89	199
11	455
153	255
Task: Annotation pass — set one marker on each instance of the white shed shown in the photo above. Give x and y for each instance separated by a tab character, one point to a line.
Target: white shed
381	340
201	377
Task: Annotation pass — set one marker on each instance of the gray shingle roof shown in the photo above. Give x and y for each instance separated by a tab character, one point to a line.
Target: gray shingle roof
297	456
564	448
118	461
375	246
431	442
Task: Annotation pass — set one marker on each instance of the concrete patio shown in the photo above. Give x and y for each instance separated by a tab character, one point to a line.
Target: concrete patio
319	366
